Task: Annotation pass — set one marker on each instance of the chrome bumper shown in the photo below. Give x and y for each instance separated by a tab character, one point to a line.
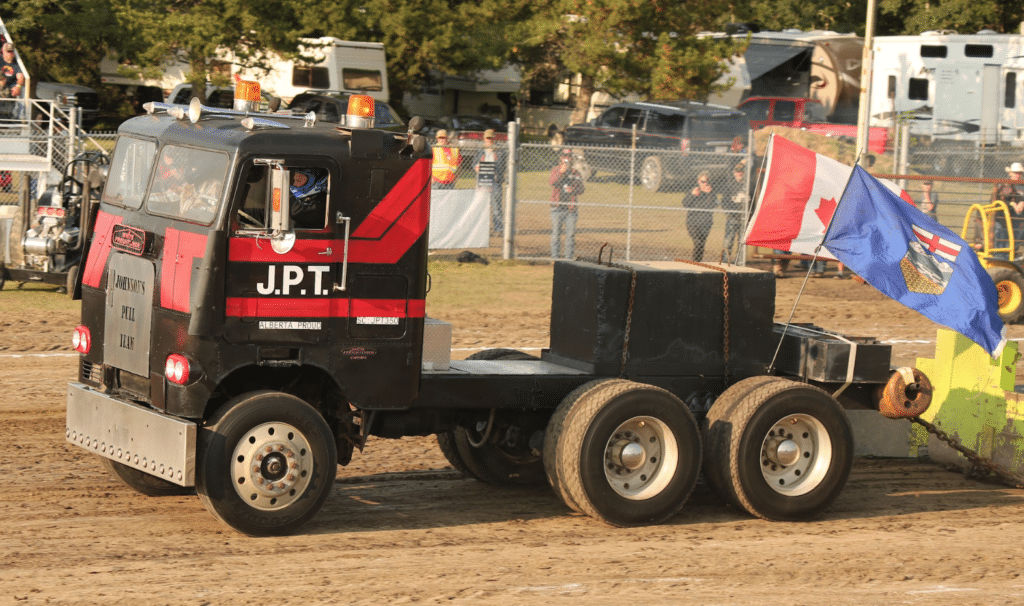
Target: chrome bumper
160	445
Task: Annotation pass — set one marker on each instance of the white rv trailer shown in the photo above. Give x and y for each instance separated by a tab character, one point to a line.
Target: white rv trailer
338	65
819	64
951	86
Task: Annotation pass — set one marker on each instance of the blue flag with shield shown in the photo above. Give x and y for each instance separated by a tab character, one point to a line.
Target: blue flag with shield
911	258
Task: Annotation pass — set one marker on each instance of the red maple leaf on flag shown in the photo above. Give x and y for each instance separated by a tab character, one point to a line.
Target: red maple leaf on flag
826	208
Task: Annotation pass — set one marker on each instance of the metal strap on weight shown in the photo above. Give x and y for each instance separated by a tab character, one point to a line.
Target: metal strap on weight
629	308
632	297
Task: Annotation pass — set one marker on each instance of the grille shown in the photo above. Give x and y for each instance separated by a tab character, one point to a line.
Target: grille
90	372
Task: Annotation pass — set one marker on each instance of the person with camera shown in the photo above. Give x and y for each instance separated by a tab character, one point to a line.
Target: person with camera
566	187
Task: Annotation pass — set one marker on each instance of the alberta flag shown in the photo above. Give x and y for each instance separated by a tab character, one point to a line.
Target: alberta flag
906	255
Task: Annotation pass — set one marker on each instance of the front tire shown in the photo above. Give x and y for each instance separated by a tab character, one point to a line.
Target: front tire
267	462
1010	287
143	483
785	449
629	453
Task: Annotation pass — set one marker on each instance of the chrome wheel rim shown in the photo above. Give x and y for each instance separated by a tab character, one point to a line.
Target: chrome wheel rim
647	175
796	455
271	466
640	458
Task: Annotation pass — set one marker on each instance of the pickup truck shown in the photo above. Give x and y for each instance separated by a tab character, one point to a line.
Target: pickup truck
807	114
675	140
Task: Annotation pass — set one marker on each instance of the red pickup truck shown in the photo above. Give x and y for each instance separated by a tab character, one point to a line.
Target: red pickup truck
807	114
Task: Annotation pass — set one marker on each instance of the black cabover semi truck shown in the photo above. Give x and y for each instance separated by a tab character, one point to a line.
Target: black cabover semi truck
254	309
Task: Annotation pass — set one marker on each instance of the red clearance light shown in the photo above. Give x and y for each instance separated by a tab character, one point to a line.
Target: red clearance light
177	368
81	339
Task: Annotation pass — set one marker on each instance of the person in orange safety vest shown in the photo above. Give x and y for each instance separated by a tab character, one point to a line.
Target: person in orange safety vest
446	162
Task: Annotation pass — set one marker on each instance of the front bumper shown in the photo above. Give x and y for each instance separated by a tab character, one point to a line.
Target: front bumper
158	444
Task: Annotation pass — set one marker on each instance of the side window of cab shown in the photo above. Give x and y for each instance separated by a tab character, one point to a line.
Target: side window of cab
309	188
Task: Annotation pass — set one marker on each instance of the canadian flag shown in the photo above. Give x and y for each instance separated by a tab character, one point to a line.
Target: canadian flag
798	198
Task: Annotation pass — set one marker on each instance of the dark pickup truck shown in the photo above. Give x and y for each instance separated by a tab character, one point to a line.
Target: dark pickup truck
674	140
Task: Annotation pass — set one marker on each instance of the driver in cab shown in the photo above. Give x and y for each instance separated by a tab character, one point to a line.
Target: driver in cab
309	197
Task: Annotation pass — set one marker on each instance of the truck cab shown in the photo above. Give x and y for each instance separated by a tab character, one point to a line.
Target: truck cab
230	256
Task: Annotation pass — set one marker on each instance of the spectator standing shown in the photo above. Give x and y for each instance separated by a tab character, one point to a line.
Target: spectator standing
929	202
490	177
700	202
736	200
446	162
1013	195
11	80
566	187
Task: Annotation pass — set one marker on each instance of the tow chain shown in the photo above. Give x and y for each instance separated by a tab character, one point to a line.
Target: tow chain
725	310
629	318
977	461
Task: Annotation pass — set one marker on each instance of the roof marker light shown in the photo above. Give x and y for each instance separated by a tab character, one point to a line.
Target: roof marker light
247	96
360	111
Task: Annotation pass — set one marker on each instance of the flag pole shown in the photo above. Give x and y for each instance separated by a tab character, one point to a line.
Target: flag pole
866	74
810	268
757	187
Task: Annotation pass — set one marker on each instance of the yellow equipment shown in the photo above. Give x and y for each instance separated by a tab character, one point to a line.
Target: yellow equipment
997	256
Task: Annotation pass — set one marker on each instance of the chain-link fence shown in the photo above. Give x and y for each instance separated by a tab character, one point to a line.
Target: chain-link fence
641	204
645	204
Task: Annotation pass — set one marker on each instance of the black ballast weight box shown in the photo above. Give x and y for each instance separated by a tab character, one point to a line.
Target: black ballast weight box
677	321
815	354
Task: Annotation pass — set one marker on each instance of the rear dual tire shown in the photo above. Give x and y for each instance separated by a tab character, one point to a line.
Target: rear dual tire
625	453
779	449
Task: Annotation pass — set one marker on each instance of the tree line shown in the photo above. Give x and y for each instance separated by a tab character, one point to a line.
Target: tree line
648	47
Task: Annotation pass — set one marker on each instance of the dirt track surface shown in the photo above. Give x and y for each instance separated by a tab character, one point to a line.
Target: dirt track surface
401	527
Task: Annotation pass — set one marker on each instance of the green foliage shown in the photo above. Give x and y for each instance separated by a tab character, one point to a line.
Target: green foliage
617	46
687	67
621	46
194	31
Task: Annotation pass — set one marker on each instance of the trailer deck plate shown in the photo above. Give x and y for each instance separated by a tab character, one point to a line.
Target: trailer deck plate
511	367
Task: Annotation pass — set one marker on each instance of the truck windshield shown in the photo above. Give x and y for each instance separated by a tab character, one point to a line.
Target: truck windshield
188	184
129	172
